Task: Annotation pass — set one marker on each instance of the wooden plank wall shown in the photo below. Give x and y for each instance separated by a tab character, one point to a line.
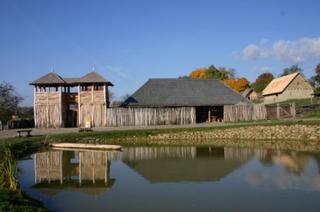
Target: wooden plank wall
92	108
48	109
150	116
233	113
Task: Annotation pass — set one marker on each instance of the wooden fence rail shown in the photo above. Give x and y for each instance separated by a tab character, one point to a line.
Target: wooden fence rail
150	116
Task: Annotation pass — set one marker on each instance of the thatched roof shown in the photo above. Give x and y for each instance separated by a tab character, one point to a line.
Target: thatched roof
54	79
278	85
184	92
92	77
50	78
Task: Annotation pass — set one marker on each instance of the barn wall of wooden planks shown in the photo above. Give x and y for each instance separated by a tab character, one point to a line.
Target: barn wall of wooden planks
150	116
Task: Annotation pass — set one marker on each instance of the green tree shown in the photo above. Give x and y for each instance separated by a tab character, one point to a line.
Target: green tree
315	80
262	81
291	69
9	101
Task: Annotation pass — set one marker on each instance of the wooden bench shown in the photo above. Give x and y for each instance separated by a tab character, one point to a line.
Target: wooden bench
85	129
28	133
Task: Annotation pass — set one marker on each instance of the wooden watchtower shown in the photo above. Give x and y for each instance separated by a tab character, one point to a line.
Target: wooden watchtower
70	102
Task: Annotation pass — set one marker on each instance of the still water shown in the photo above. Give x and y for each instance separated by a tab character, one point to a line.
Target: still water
174	179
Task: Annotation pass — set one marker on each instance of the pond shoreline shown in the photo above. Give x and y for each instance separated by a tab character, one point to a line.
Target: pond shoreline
299	135
291	137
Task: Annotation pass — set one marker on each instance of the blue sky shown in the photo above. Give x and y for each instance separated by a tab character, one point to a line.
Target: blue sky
131	41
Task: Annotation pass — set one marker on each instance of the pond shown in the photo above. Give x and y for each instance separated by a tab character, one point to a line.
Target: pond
186	178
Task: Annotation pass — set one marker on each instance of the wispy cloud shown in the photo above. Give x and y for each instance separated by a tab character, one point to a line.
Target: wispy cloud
288	51
118	71
262	69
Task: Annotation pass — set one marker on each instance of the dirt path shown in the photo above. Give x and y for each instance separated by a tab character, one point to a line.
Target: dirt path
44	131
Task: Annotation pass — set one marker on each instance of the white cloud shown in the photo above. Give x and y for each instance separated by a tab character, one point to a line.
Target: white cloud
291	51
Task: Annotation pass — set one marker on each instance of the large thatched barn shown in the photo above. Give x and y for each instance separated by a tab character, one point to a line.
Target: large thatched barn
292	86
175	101
70	102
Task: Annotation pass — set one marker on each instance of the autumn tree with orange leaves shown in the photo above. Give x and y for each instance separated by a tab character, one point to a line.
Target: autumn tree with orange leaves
238	85
224	74
212	73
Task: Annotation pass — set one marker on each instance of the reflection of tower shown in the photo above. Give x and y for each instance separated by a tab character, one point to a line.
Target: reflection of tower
93	166
48	167
86	170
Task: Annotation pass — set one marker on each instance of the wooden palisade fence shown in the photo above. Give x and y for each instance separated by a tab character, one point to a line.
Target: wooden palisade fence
233	113
150	116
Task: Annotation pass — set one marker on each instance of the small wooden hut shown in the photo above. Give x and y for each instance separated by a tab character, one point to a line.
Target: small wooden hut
292	86
70	102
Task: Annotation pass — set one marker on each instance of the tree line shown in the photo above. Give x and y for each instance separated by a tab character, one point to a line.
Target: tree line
240	84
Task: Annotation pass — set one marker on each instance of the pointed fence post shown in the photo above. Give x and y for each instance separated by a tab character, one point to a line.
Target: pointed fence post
278	111
293	110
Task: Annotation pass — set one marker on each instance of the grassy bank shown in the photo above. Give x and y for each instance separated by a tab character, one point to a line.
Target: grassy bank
11	196
20	145
145	133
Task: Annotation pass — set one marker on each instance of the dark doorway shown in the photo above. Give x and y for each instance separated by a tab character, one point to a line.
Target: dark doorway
72	115
209	114
202	114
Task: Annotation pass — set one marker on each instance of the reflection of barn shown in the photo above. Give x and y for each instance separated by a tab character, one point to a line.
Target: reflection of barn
65	170
187	164
70	102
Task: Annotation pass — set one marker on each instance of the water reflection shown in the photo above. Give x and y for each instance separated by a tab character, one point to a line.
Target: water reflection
89	171
181	178
80	171
176	164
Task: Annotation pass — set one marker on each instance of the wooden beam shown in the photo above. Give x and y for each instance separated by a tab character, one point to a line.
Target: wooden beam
34	106
60	106
48	119
79	106
105	107
92	114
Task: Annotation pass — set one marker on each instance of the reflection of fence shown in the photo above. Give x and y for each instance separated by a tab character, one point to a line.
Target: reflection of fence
243	154
150	153
234	113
